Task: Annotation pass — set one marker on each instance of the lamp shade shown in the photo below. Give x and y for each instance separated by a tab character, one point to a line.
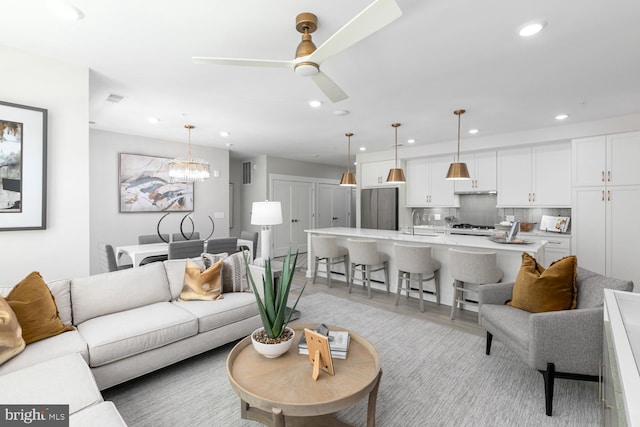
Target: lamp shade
458	171
266	213
396	175
348	180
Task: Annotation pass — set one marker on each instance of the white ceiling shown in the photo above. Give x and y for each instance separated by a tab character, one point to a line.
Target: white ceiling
440	55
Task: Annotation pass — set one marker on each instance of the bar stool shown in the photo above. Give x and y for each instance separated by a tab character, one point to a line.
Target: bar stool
365	258
471	268
326	251
416	260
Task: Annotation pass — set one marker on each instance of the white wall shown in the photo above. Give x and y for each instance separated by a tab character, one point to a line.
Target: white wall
61	250
110	226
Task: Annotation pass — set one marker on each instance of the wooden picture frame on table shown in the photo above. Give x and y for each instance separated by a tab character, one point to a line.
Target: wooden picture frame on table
23	167
145	186
319	353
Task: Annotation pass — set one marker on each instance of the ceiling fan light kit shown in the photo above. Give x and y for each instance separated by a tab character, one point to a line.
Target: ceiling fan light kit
348	178
188	169
457	170
396	175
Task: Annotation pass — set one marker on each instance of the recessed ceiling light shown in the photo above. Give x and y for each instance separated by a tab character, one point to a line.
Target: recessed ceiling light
473	131
562	116
411	141
531	28
341	112
224	133
363	148
153	120
67	11
314	103
228	144
315	155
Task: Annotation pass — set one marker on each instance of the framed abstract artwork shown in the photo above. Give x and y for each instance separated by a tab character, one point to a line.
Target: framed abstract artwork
145	186
23	167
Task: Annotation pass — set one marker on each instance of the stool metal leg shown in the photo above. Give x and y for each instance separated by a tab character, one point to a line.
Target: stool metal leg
386	274
353	269
436	279
400	285
329	263
315	270
367	269
421	292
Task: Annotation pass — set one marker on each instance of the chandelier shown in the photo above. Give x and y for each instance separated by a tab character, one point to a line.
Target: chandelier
188	169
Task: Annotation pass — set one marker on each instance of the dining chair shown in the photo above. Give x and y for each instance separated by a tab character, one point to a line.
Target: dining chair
253	236
178	237
108	260
186	249
146	239
222	244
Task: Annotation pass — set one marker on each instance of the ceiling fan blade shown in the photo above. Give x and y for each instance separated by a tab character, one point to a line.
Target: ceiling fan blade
376	16
243	62
328	87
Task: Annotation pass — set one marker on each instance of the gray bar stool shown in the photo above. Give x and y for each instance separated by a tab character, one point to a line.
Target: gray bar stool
327	252
365	258
416	260
470	270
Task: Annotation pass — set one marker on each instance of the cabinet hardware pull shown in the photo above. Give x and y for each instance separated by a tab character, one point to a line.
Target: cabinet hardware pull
609	176
608	195
529	196
602	176
534	197
602	196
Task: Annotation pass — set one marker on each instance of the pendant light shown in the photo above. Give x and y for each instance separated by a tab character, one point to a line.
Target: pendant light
396	174
457	170
348	178
188	169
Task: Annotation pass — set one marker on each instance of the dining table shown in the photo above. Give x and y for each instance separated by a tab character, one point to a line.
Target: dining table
139	252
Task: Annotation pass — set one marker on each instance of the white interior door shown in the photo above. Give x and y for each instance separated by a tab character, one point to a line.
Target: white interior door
302	215
281	234
324	211
340	202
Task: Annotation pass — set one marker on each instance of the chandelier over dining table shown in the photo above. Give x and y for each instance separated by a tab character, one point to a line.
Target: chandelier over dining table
188	169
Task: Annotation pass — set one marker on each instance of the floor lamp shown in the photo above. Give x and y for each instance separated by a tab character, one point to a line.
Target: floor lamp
266	214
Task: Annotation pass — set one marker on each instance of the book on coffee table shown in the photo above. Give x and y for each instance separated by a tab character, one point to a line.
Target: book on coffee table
338	343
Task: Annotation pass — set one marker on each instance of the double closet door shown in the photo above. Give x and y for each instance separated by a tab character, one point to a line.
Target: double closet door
296	199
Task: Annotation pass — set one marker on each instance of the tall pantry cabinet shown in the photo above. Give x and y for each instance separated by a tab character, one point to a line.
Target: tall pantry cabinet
606	202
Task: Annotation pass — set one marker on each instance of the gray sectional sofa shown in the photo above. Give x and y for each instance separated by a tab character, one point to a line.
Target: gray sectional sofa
128	323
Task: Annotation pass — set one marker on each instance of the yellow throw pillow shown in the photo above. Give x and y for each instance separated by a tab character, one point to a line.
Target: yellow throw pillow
11	341
34	306
202	285
538	290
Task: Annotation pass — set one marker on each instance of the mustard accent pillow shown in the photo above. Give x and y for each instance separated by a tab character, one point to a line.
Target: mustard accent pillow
36	310
537	289
11	341
202	285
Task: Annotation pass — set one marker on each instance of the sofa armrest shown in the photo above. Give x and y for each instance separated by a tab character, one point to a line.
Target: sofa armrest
571	339
495	293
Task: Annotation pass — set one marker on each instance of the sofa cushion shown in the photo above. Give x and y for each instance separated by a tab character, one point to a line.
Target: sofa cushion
103	414
499	315
59	381
117	291
34	306
119	335
57	346
11	341
174	269
537	289
202	285
60	291
234	271
591	287
215	314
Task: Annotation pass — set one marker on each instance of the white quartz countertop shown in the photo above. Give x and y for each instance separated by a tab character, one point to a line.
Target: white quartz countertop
432	239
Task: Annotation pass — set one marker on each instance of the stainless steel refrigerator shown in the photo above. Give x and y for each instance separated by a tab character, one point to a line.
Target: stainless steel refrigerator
379	208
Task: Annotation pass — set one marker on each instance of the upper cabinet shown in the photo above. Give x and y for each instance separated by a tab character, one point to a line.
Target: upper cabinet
427	185
482	170
606	160
535	176
375	174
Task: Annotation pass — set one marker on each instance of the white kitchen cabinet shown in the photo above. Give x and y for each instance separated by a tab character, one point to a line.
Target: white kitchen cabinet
537	176
427	185
558	245
333	206
606	160
296	199
374	174
482	170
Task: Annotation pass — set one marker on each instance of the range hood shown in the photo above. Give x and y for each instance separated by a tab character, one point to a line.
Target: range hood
474	192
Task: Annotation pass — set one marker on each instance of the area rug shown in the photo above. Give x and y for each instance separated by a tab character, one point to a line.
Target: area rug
432	376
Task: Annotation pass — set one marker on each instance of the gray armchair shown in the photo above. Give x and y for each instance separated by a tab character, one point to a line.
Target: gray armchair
559	344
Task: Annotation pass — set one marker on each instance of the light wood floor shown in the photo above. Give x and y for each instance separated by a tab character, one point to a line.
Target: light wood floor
440	314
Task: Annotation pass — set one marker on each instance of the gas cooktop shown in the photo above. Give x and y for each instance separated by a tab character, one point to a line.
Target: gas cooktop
473	227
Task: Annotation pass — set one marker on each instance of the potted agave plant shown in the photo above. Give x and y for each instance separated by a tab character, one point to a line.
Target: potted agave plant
274	338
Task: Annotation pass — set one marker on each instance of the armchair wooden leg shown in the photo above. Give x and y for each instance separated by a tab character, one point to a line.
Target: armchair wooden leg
489	338
549	376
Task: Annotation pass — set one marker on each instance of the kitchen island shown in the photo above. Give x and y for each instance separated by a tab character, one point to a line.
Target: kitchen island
509	256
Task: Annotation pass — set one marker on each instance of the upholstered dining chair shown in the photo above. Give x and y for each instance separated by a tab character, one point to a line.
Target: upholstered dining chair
559	344
186	249
108	260
178	237
253	236
146	239
222	244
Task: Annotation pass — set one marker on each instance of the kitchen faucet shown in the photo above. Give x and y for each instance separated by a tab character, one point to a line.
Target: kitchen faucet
413	221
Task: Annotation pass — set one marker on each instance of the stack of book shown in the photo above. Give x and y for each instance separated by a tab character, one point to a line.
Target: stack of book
338	343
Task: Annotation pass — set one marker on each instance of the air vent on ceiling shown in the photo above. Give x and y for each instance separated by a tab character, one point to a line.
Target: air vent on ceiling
246	172
112	97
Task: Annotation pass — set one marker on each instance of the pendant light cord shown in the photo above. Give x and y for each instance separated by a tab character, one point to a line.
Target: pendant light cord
349	135
395	125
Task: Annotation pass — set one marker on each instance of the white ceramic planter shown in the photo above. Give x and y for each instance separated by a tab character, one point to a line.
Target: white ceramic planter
272	350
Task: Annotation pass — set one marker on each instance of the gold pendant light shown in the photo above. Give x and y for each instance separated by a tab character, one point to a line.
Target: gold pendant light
396	174
457	170
188	169
348	178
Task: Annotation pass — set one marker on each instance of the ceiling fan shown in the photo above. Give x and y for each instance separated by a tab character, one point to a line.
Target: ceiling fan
308	58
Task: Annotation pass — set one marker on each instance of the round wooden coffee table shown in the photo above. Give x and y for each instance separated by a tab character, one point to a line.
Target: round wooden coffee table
281	390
